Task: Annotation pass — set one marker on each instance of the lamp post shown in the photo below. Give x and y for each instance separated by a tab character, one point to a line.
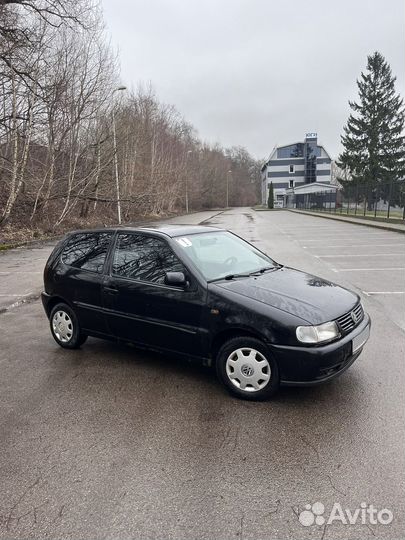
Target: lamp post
117	180
227	188
186	180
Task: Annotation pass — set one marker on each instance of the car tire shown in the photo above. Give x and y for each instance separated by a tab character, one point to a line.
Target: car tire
65	327
247	368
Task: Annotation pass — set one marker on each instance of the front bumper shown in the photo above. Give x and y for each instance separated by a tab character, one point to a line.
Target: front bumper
316	365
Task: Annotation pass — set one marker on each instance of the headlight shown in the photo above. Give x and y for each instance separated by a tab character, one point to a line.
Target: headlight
317	334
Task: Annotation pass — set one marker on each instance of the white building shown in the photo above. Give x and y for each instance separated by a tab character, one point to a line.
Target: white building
293	167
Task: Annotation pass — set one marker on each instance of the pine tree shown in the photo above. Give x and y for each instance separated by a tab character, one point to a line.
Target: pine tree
270	200
373	141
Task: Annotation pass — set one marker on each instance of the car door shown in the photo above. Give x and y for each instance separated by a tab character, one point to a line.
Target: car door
141	307
80	278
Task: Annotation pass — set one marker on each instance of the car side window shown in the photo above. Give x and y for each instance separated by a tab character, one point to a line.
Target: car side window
144	258
87	251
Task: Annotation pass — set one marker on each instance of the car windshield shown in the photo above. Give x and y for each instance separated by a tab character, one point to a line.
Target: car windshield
222	255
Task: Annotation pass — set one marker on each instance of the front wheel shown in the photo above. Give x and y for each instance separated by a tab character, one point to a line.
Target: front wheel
246	367
65	327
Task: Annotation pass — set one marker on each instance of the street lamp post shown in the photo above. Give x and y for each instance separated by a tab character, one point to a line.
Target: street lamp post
186	181
227	188
117	180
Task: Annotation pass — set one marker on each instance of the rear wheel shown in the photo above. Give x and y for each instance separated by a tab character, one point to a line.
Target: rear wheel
65	327
246	367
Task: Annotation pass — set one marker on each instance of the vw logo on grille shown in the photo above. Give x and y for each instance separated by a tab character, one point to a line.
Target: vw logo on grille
355	317
247	370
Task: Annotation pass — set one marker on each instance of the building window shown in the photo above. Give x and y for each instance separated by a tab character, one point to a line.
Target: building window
268	174
310	162
291	169
294	150
291	183
297	150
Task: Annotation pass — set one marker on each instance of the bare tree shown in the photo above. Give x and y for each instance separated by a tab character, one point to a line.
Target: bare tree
57	78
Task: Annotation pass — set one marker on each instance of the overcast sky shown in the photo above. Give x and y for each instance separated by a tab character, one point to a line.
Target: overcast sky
257	73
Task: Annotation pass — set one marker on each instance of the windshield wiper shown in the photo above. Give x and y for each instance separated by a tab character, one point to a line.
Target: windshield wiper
228	277
268	269
233	276
255	272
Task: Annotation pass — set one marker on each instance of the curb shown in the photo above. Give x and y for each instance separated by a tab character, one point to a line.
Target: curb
342	219
215	215
28	243
23	300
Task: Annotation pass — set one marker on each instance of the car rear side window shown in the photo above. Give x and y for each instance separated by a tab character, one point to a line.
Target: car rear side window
144	258
87	251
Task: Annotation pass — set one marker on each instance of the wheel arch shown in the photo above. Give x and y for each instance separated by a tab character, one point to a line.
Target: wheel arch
230	333
53	301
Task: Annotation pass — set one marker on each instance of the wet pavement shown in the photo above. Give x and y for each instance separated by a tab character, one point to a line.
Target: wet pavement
111	442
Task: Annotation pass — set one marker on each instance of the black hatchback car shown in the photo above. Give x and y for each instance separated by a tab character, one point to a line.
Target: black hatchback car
206	294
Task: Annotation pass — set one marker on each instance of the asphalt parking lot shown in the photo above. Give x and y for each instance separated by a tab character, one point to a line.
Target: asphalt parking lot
111	442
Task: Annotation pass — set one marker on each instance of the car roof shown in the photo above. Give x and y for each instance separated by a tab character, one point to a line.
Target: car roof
179	230
167	230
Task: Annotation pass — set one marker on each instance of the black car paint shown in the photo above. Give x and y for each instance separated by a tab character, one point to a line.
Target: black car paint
312	299
165	317
194	321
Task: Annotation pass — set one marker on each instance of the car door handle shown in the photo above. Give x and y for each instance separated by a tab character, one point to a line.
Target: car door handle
110	290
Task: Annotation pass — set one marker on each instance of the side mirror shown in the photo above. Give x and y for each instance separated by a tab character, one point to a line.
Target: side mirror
175	279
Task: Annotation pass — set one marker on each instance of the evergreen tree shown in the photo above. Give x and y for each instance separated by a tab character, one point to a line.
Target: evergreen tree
373	141
270	200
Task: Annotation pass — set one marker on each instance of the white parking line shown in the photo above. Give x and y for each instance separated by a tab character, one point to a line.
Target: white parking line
358	245
370	269
355	255
341	236
371	293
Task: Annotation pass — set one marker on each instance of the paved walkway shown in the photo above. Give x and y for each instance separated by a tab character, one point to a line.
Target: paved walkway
399	227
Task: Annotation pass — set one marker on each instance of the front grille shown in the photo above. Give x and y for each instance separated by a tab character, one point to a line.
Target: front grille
350	320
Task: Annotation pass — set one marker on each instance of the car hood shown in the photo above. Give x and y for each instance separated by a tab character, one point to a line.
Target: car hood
306	296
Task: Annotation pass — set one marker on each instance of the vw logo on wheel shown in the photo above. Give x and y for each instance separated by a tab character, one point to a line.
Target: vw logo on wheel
247	370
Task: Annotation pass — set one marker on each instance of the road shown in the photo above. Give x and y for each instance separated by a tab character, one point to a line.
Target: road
110	442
